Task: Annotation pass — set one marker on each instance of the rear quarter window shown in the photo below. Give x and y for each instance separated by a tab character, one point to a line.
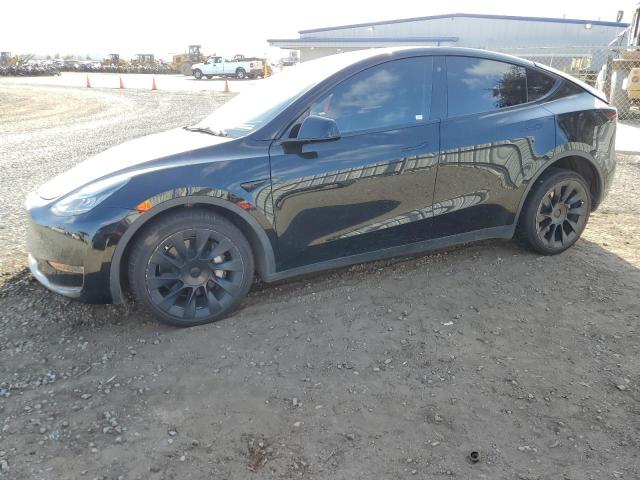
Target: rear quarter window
538	84
567	89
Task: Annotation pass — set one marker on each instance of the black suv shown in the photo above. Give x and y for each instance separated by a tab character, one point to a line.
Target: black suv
344	159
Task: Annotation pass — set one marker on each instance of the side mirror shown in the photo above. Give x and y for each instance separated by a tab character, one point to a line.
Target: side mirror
315	128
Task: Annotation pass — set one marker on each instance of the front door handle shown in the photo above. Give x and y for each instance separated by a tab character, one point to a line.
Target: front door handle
251	186
417	147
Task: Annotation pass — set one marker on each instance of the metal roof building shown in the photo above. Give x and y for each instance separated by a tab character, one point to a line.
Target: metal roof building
491	32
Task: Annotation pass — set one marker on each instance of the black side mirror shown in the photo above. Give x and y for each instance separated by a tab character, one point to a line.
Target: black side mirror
315	128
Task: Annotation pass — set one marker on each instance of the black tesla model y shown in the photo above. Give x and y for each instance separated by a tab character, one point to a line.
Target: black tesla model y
344	159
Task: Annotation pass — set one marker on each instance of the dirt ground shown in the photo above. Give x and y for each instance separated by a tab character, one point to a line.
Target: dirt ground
395	369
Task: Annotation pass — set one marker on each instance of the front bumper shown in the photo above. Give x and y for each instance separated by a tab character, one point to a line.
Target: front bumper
72	255
44	279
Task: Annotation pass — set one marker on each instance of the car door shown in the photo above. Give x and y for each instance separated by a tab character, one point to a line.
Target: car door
373	187
226	68
495	135
215	67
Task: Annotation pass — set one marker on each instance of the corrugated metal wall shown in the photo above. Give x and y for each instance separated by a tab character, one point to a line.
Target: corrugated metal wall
484	32
317	52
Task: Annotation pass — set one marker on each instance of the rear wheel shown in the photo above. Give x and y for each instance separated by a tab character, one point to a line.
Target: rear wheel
241	74
556	212
209	77
191	268
197	73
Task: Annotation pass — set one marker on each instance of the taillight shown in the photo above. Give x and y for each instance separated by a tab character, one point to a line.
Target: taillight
251	65
611	114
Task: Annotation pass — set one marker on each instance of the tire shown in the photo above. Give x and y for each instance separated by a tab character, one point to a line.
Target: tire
197	73
190	267
241	74
555	212
209	77
185	69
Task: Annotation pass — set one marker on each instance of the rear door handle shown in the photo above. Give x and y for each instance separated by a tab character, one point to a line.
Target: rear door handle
530	127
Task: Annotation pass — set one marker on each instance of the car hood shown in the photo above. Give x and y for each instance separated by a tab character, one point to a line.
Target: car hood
134	153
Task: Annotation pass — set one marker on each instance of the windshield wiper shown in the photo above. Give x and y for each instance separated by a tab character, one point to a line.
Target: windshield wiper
217	133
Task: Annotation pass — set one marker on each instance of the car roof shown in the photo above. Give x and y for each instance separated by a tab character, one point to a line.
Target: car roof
399	52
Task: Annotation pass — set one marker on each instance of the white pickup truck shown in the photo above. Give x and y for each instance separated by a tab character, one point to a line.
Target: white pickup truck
217	66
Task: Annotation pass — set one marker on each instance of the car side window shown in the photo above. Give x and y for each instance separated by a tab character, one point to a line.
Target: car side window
391	94
476	85
538	84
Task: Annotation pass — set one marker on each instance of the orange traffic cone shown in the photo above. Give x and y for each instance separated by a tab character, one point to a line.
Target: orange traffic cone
88	82
226	86
153	85
121	84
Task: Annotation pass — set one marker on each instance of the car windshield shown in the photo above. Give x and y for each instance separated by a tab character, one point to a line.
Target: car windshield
262	101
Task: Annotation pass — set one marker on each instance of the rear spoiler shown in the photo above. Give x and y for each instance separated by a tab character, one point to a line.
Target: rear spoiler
585	86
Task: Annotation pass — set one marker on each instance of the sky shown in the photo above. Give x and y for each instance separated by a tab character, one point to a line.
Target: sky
228	27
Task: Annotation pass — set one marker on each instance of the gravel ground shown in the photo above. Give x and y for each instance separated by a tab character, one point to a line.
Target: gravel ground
47	130
395	369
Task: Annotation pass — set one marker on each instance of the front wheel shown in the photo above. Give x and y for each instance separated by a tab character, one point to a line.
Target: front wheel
185	69
190	268
555	212
198	74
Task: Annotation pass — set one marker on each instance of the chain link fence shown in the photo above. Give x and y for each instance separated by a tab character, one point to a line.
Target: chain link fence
612	70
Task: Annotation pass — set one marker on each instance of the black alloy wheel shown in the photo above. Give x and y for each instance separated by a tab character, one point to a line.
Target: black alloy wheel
556	212
191	268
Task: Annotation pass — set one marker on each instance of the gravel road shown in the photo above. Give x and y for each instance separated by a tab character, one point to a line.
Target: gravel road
395	369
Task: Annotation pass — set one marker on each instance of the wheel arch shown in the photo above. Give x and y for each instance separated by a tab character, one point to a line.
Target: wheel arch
575	161
261	246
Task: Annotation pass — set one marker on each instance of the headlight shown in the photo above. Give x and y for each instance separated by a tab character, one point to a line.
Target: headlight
88	196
